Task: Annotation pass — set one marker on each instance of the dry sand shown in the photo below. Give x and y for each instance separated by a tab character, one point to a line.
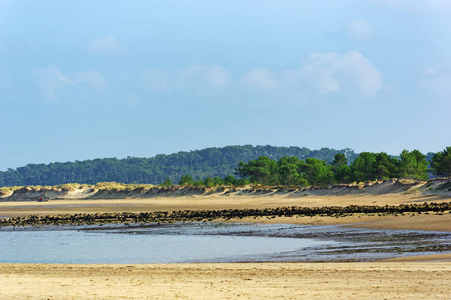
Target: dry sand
227	281
401	278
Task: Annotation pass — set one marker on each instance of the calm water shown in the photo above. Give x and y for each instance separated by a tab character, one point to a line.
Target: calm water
196	242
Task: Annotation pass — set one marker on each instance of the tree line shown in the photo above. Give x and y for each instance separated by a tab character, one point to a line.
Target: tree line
293	171
200	164
238	165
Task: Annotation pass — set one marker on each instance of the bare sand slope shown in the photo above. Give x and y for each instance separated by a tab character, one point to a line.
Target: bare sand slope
437	187
227	281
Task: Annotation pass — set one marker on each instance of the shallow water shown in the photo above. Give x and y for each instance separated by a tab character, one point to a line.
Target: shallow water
204	242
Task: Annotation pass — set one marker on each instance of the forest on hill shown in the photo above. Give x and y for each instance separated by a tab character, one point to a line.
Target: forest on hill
239	165
199	164
294	172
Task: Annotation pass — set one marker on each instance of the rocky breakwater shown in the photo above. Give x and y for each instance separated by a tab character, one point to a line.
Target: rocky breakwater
227	214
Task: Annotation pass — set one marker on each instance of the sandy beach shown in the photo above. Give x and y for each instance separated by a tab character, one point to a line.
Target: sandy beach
426	277
227	281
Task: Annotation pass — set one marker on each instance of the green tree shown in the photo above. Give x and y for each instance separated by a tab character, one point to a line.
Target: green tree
230	180
385	167
342	172
441	163
209	182
288	171
263	170
186	180
413	165
363	167
218	181
167	183
316	172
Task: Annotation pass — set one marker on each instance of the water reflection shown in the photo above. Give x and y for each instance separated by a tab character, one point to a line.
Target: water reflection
204	242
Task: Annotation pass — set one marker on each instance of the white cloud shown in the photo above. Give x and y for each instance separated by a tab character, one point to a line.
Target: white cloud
194	76
323	73
359	29
318	71
109	45
261	78
359	71
50	79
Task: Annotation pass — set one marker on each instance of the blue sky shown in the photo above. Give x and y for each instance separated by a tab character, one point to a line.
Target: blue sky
88	79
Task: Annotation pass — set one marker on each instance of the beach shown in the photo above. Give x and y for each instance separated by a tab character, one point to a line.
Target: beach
426	277
431	221
227	281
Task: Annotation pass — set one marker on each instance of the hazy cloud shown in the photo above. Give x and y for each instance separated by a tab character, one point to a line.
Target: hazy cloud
359	29
323	73
261	78
93	78
109	45
51	79
157	80
437	80
320	73
212	76
194	76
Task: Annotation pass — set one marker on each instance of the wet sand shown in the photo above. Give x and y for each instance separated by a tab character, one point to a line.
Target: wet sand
227	281
408	221
431	221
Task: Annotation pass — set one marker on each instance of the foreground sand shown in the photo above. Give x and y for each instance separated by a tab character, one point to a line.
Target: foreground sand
227	281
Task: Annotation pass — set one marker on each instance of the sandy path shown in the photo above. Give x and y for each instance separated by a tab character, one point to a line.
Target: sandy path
227	281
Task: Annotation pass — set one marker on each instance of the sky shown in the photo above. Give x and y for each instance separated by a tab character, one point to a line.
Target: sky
92	79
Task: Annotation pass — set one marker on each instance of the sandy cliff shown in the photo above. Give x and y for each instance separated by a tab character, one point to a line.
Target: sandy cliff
438	187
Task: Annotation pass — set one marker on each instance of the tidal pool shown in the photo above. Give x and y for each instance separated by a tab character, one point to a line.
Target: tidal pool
212	242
